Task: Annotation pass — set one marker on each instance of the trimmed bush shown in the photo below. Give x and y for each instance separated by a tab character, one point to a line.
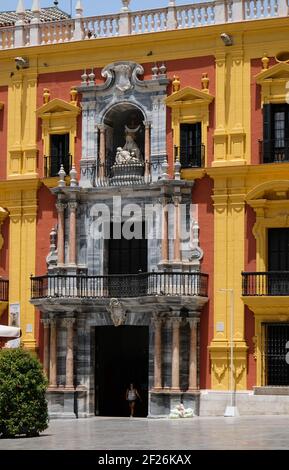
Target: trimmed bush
23	406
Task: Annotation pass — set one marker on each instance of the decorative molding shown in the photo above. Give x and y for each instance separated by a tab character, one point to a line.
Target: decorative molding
117	312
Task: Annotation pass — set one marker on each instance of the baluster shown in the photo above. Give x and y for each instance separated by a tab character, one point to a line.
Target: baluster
212	15
248	9
110	26
146	23
97	28
7	40
206	16
199	10
139	23
262	8
269	8
275	7
133	25
67	36
158	21
255	9
165	21
117	27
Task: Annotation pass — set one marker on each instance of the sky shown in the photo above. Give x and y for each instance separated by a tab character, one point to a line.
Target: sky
95	7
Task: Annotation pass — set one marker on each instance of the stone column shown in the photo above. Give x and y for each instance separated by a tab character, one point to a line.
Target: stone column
46	325
101	150
60	206
147	148
193	382
69	352
177	249
158	354
72	232
165	227
176	354
53	354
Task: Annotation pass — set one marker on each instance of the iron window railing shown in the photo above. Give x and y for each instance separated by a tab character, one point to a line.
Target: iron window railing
4	290
274	150
116	285
190	156
52	165
265	283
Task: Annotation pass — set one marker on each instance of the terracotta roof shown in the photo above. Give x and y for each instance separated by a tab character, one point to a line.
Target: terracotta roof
8	18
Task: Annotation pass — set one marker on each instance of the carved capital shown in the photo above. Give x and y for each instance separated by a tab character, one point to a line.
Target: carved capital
72	205
193	322
60	206
68	322
45	322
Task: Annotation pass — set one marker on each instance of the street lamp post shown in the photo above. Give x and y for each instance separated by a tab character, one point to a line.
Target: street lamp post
231	410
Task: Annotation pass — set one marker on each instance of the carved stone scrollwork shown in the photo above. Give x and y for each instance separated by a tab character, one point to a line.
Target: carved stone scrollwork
219	369
117	312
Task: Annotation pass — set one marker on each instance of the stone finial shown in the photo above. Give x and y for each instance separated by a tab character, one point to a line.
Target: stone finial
51	258
176	83
165	167
62	174
265	61
205	82
73	177
79	8
84	78
46	95
125	5
91	77
20	10
163	70
177	168
36	8
73	95
155	71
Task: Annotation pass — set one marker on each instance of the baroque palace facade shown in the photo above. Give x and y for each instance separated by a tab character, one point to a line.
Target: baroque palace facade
182	106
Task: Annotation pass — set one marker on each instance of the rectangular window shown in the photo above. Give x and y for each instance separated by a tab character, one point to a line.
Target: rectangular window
276	133
59	155
191	148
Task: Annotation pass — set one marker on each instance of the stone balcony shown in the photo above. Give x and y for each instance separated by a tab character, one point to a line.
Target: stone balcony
63	292
35	32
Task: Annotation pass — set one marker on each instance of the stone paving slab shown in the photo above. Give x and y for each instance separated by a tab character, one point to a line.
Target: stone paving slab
250	432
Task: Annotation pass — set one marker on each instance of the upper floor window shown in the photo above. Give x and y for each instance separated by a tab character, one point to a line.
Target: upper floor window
59	155
275	146
191	148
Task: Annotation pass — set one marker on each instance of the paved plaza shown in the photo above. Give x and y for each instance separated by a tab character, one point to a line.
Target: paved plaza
262	432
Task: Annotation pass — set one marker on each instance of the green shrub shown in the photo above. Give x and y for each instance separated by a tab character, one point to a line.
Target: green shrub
23	407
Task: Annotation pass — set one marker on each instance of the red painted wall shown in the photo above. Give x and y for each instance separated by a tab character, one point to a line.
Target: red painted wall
46	219
250	265
59	85
256	114
3	131
202	192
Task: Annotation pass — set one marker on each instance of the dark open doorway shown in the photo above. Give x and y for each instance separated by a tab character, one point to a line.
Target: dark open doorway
121	358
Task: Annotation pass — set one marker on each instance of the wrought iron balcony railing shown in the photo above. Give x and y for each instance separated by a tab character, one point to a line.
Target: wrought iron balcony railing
52	165
4	290
265	283
274	150
190	156
119	285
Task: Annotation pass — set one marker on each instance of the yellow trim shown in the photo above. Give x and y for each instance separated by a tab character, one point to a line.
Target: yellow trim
58	117
273	83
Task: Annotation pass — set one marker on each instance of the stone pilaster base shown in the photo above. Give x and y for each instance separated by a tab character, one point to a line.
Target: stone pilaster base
220	365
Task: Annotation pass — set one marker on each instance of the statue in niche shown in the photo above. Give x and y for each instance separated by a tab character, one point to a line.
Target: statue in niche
130	153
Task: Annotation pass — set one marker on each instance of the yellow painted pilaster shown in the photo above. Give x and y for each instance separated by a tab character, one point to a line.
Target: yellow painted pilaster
21	202
220	133
22	150
229	243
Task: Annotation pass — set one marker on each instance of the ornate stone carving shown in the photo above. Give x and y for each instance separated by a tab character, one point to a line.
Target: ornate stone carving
117	312
46	95
176	84
219	369
197	252
51	259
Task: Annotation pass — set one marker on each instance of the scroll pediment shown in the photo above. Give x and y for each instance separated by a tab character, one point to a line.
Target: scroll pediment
58	106
189	95
276	72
